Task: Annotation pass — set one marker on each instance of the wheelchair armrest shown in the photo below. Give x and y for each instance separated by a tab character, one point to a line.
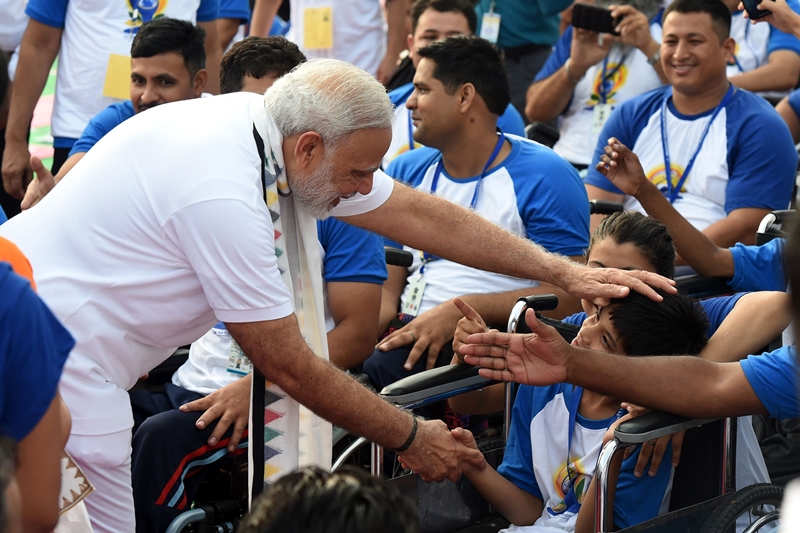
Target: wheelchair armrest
435	385
775	224
653	425
604	207
698	286
398	257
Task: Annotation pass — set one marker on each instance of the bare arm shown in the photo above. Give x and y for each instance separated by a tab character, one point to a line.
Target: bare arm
39	472
226	30
756	320
396	11
739	226
390	296
38	50
213	55
354	308
790	117
45	181
264	13
779	74
500	251
277	349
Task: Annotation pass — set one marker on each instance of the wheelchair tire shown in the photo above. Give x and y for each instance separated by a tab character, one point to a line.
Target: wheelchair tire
743	501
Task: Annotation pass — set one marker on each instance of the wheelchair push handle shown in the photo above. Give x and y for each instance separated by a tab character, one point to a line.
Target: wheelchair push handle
398	257
540	302
604	207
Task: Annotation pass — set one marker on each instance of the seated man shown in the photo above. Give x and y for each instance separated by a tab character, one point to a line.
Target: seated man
460	88
547	475
168	61
583	80
432	20
766	59
728	155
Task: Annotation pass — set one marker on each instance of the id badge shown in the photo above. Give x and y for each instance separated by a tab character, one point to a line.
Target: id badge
600	115
318	28
238	363
417	288
117	83
490	27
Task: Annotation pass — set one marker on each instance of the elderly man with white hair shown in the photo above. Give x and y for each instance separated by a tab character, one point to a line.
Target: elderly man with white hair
185	216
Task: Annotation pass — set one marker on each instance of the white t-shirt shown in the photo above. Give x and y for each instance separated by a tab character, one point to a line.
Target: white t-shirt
13	22
160	232
359	32
618	82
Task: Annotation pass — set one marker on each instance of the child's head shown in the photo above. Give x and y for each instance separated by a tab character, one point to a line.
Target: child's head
637	325
631	241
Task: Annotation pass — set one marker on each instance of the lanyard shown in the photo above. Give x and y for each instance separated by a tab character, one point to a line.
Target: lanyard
570	498
752	51
426	257
672	192
410	133
605	77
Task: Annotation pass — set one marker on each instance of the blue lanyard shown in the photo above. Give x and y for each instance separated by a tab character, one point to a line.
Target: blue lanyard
672	192
410	133
750	46
570	498
601	90
426	257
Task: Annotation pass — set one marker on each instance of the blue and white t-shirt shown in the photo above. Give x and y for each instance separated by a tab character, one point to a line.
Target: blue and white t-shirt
755	42
533	193
747	159
403	130
105	121
349	255
536	460
624	74
773	376
94	61
759	268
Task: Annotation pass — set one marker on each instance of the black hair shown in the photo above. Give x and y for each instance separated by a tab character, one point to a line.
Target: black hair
7	468
312	500
718	11
675	326
465	7
165	34
256	57
650	237
463	59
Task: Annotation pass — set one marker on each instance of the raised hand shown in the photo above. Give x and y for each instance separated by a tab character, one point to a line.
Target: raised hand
634	28
470	324
38	188
16	169
430	331
622	167
231	404
585	51
782	17
538	358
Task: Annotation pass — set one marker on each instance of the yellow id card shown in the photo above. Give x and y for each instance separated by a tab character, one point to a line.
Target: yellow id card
318	28
118	77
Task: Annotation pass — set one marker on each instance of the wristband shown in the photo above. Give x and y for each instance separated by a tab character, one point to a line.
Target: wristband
407	444
574	81
655	58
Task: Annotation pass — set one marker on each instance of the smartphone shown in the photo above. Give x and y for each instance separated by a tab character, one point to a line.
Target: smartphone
751	6
594	18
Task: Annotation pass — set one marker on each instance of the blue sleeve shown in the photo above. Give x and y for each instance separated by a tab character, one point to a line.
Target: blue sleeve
554	205
517	466
511	122
3	216
762	159
773	377
399	96
351	254
557	57
50	12
33	350
105	121
717	309
234	9
625	123
640	499
779	40
208	10
758	268
794	102
576	319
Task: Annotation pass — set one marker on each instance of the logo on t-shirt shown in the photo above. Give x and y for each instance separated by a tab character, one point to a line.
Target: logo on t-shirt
607	83
566	477
658	176
142	11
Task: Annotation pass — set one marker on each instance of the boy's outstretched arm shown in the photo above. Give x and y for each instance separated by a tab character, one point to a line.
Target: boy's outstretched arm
622	167
518	506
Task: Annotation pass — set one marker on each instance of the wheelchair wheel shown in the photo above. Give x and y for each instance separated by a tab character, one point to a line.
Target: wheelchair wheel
756	502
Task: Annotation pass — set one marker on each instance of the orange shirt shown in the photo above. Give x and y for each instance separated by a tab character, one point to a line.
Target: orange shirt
19	263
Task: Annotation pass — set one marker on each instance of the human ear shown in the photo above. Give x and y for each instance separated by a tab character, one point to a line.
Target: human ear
466	95
308	149
199	82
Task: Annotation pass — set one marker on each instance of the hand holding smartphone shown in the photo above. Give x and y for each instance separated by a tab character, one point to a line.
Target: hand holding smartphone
593	18
751	6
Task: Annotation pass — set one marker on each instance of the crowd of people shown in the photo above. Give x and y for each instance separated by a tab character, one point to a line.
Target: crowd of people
228	175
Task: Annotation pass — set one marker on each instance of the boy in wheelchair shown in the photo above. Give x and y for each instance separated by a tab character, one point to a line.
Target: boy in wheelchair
557	431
